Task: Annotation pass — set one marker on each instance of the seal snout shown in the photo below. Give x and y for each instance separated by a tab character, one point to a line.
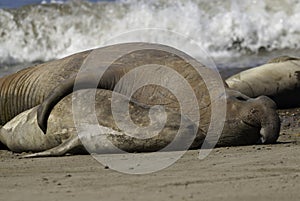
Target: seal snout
268	102
270	122
260	113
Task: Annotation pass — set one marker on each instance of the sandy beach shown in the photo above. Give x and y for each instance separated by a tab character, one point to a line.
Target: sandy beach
258	172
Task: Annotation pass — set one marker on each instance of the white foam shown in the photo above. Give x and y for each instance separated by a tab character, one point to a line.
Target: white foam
223	29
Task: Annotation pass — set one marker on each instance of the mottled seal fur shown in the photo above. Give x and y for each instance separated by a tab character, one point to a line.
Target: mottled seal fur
133	56
22	133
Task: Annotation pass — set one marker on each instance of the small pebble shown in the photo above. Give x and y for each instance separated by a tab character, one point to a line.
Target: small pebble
45	179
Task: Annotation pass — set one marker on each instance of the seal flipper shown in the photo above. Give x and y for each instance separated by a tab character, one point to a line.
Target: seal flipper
70	145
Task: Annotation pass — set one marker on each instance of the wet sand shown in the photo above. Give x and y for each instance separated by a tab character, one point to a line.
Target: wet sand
258	172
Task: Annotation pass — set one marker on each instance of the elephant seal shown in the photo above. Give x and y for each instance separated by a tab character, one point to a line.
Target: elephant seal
132	56
29	87
22	134
279	79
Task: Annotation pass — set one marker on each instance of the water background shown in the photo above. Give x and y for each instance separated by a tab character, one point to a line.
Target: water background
234	34
19	3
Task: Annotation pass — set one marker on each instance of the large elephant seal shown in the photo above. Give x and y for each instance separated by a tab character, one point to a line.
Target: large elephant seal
279	79
133	56
22	134
29	87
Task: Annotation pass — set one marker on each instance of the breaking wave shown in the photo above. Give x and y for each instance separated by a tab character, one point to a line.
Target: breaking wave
221	28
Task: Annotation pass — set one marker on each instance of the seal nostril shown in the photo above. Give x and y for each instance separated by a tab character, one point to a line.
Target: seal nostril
253	111
267	102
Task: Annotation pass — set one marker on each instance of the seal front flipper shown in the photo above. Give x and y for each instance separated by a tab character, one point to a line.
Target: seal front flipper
69	146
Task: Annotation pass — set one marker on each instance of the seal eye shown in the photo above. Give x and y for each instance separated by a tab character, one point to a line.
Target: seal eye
241	98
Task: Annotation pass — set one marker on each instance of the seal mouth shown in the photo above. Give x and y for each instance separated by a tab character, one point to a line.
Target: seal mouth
269	134
262	131
252	125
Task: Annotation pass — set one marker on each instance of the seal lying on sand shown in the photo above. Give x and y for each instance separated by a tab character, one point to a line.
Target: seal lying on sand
168	75
139	71
22	133
279	79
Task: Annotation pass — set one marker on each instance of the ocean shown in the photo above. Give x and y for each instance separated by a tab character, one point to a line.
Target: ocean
233	34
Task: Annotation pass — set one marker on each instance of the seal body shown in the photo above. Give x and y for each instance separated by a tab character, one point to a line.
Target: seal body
29	87
64	136
75	131
154	74
279	79
150	75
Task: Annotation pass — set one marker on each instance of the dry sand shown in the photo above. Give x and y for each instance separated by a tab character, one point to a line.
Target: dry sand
259	172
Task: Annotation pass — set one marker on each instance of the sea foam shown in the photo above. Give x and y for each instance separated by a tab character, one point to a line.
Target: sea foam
221	29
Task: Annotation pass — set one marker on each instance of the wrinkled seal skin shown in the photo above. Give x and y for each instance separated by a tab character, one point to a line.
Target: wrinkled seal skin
279	79
249	119
21	134
258	115
29	87
134	55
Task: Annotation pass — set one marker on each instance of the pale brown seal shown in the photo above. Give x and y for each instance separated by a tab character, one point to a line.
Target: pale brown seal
279	79
22	134
134	55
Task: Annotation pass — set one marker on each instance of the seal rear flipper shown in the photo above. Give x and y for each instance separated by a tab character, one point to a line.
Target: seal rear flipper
71	145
